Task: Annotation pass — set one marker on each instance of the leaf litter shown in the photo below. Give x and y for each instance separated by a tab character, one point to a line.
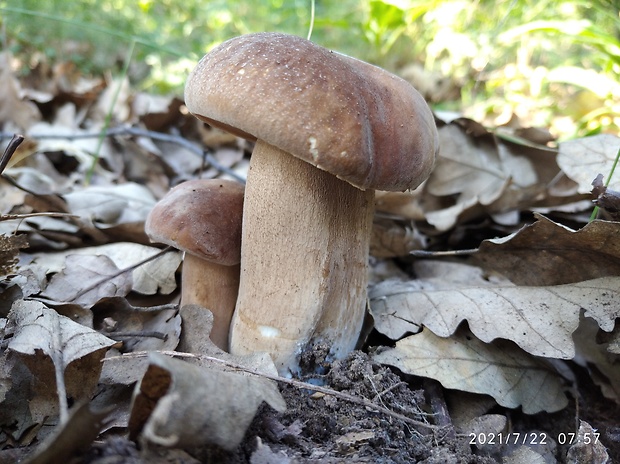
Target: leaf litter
513	310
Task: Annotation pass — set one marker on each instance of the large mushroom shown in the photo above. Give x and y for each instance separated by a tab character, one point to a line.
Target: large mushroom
202	217
329	129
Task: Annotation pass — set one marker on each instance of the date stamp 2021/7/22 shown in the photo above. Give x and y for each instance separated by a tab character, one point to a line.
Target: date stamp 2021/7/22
531	438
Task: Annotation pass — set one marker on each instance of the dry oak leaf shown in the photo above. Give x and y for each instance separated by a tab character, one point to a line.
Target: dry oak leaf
152	277
462	362
41	335
111	205
178	404
472	165
187	403
84	271
548	253
583	159
541	320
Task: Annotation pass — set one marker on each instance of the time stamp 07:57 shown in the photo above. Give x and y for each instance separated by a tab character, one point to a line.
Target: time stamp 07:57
530	438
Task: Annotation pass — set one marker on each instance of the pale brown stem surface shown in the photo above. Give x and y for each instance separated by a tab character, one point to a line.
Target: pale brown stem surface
215	287
304	259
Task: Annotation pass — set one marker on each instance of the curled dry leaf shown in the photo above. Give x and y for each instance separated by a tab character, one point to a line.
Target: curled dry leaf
583	159
188	403
559	254
71	438
541	320
499	369
177	404
58	351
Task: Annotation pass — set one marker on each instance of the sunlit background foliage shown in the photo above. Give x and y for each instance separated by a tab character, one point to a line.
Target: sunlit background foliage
550	63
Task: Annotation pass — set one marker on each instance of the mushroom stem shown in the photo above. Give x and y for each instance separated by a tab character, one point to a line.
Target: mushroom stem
304	259
213	286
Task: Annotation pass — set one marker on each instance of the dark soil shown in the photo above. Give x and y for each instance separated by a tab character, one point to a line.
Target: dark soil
319	428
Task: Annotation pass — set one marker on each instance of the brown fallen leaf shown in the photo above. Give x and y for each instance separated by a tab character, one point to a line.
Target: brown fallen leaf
548	253
500	369
83	271
186	403
64	357
178	404
140	329
70	438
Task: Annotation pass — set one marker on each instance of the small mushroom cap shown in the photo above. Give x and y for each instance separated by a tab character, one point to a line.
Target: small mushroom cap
352	119
201	217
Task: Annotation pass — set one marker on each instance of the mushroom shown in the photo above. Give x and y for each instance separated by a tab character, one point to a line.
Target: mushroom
202	217
329	129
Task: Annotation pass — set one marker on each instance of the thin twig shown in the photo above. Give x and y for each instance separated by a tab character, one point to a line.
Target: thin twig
295	383
135	131
441	254
151	334
11	217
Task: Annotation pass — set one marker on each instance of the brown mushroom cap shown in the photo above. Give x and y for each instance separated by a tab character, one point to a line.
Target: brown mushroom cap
354	120
201	217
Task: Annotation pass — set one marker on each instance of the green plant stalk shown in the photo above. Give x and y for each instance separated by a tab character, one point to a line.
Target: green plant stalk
312	5
611	173
108	117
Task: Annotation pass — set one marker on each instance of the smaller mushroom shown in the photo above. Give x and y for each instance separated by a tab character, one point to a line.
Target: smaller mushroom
202	217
